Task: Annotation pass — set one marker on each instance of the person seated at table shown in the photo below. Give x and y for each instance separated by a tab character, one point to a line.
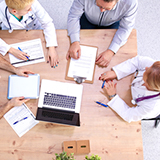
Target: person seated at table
17	101
101	14
28	15
145	88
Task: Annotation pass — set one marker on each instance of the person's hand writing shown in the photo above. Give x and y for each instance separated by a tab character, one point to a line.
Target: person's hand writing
19	54
74	51
53	58
109	75
23	72
110	88
104	58
17	101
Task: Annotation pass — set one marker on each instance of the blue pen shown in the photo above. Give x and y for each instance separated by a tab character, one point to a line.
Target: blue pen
20	120
101	104
22	51
103	84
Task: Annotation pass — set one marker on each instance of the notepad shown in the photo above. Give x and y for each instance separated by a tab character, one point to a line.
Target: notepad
21	119
33	48
24	86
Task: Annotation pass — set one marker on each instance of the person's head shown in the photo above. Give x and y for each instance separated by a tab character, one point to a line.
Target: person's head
106	4
19	7
151	77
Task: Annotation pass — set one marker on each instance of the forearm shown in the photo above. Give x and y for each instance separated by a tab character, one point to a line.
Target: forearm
4	47
131	65
73	25
5	108
4	64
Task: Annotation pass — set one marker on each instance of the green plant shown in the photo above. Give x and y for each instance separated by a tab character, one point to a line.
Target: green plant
93	157
64	156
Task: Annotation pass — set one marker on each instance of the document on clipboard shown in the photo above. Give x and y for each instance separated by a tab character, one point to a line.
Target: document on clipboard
84	67
33	48
21	119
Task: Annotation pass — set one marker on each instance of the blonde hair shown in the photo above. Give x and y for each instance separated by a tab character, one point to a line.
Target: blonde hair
153	77
18	4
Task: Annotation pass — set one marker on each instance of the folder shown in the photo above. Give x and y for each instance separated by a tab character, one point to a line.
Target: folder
24	86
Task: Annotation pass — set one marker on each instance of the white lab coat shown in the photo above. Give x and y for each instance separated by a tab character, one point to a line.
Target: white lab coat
38	18
149	108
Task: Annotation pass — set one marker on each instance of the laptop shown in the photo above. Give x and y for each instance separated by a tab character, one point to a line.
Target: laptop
59	102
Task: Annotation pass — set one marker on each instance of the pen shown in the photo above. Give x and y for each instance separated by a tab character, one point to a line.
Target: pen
22	51
103	84
101	104
20	120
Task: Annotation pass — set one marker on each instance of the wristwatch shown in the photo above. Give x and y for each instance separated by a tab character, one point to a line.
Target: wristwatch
111	96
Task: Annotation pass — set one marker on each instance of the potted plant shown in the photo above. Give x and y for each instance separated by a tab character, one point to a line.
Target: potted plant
93	157
64	156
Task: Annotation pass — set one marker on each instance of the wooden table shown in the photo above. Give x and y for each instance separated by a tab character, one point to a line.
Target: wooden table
110	137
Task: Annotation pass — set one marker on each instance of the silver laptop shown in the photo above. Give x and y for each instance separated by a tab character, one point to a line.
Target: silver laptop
59	102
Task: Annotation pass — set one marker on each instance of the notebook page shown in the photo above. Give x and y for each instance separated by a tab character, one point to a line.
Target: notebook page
21	119
33	48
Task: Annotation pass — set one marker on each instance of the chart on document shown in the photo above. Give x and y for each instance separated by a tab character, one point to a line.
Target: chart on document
33	48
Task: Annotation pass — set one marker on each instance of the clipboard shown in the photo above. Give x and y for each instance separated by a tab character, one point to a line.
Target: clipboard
23	86
71	62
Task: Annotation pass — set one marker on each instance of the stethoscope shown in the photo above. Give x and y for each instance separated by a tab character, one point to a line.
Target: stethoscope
10	28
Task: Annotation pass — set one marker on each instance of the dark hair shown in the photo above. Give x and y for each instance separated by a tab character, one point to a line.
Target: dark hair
110	0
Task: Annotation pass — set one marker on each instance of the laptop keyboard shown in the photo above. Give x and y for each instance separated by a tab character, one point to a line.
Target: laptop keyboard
57	115
58	100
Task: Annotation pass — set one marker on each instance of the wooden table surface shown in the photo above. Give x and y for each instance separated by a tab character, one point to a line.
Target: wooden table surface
110	137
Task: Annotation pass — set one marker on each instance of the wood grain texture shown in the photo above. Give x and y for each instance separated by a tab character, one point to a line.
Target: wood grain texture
110	137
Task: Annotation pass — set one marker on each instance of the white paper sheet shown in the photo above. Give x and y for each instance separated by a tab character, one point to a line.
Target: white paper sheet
17	114
84	66
33	48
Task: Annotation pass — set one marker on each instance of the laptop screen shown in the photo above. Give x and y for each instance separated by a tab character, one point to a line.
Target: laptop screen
60	95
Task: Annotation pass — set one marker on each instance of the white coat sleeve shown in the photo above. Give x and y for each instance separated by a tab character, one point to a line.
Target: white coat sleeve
4	47
47	24
131	65
130	114
73	23
125	27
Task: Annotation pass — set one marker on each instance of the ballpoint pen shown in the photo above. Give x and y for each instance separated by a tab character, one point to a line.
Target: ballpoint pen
103	84
101	104
20	120
22	51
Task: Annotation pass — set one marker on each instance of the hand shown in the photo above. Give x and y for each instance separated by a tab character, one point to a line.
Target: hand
109	75
110	88
17	101
53	58
73	50
104	58
23	72
19	54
